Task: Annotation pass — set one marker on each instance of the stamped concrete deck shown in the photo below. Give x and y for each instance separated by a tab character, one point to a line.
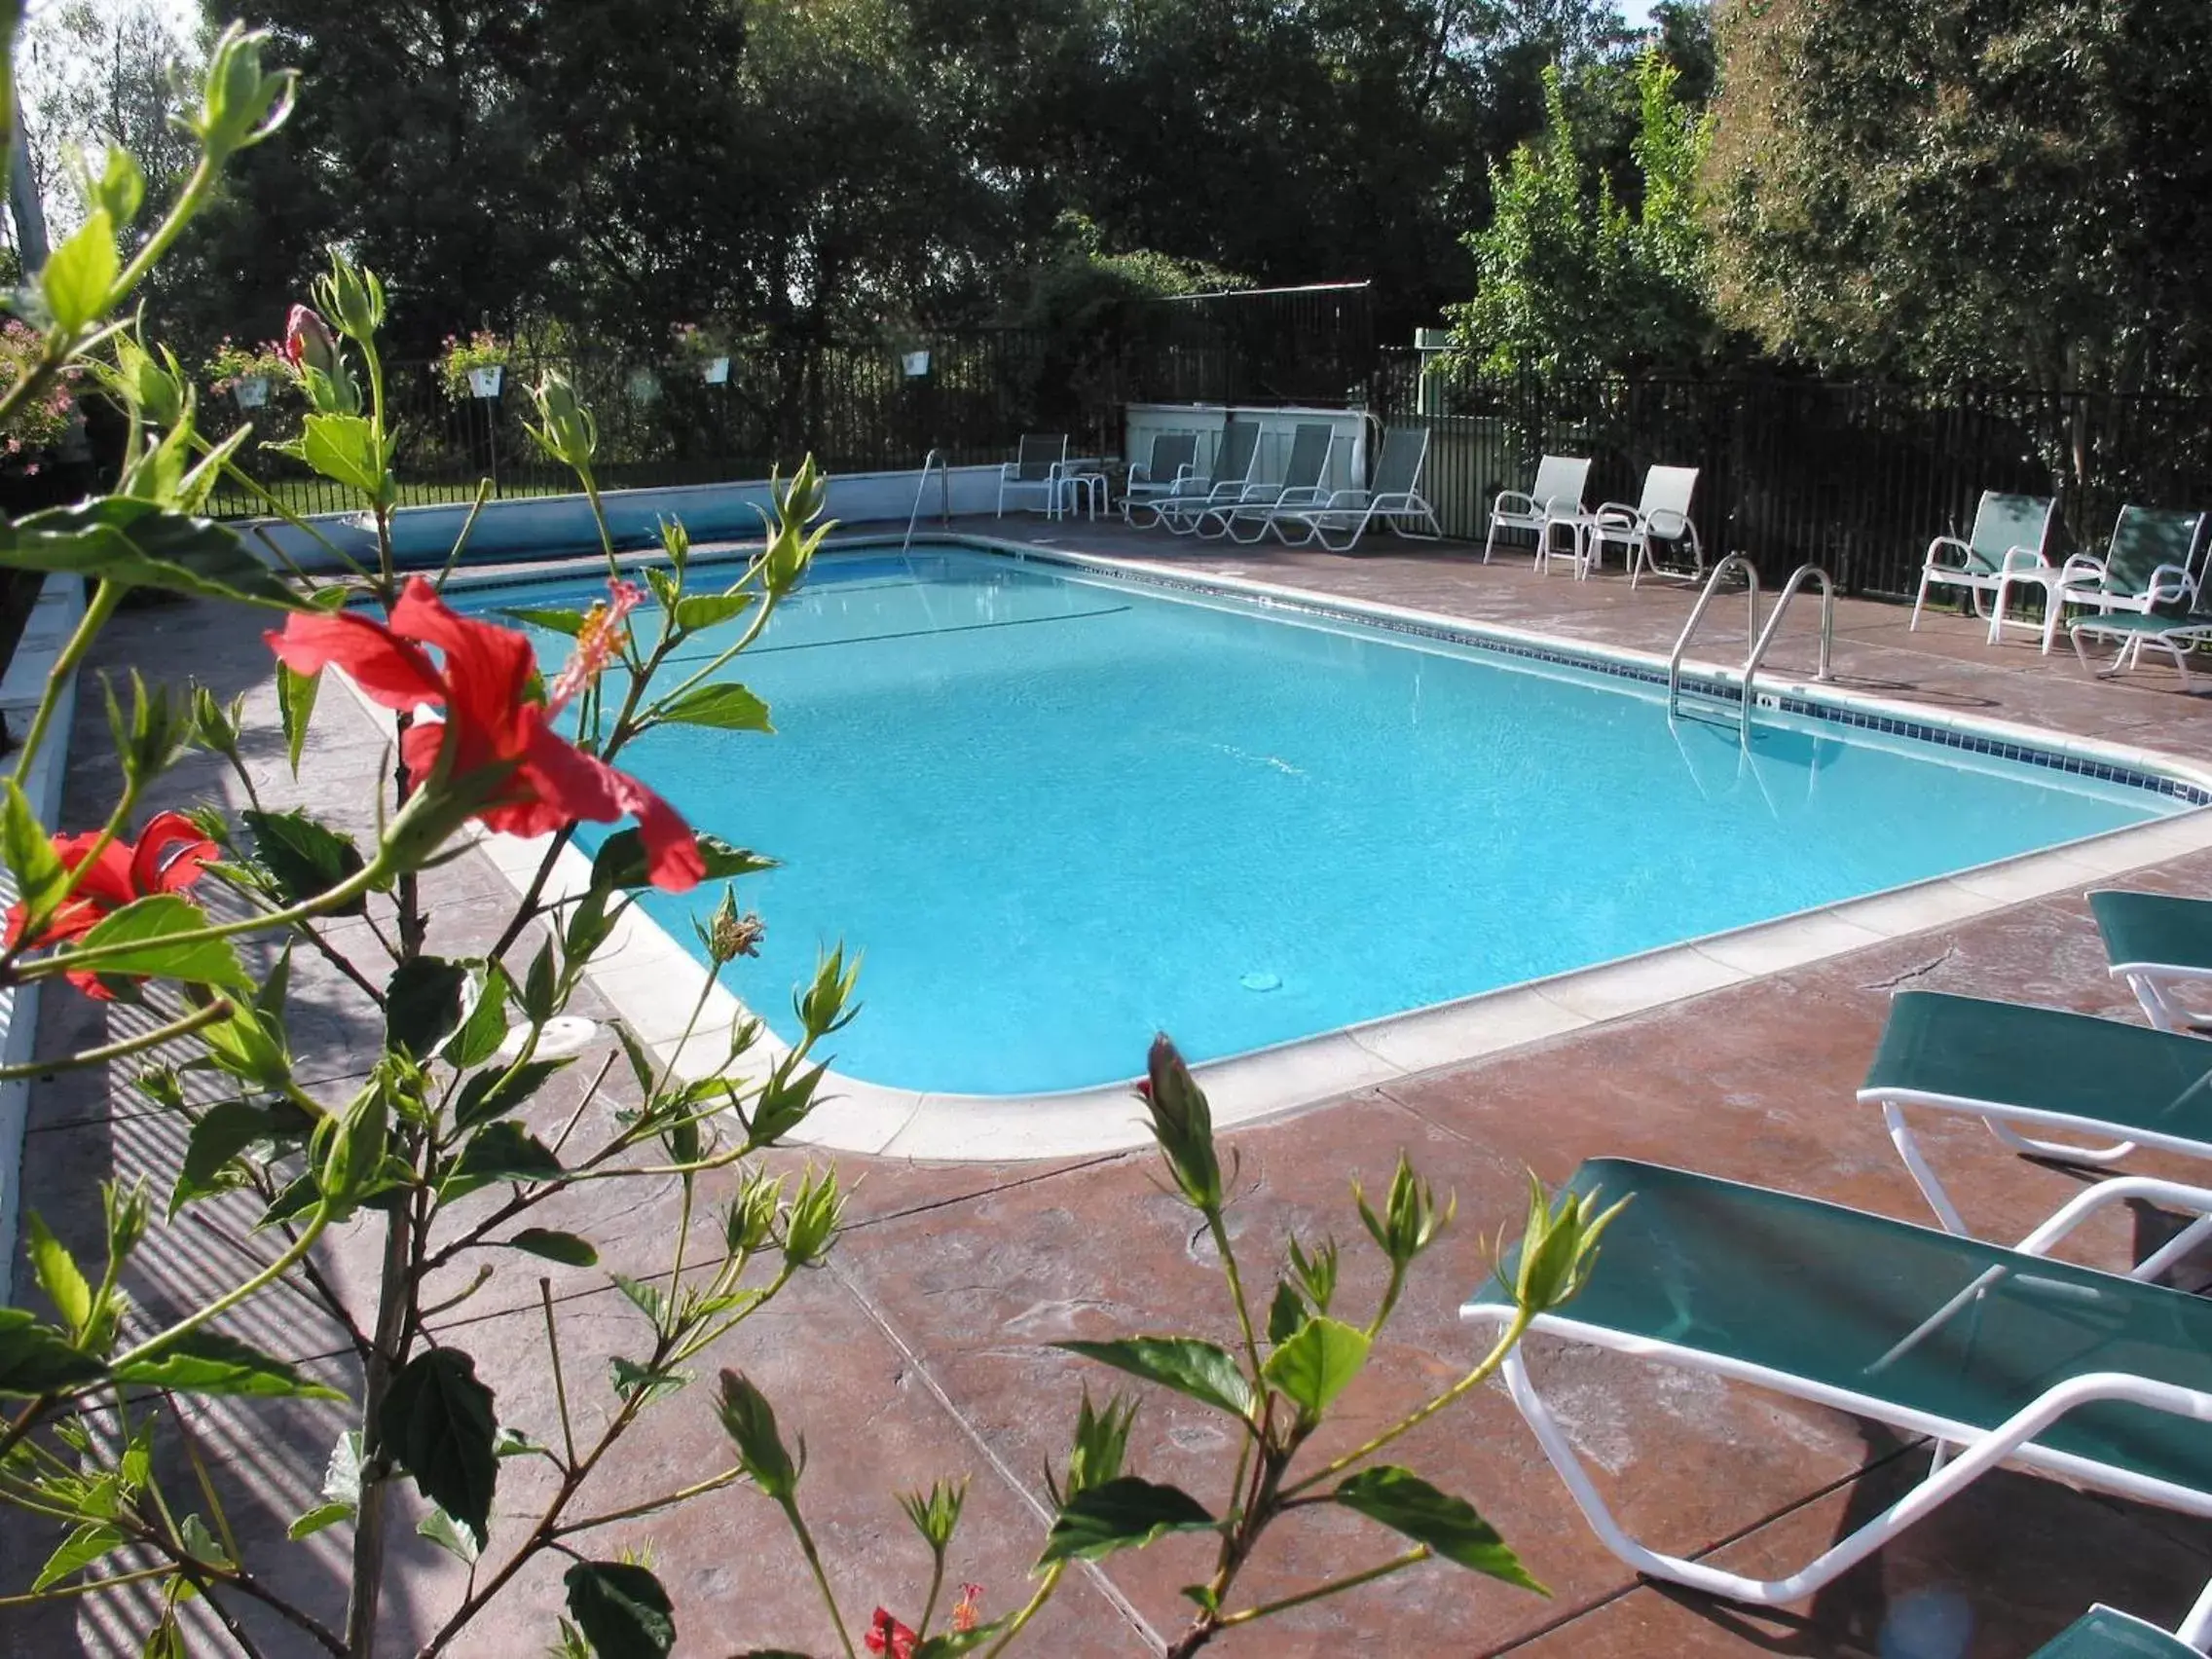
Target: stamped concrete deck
922	1349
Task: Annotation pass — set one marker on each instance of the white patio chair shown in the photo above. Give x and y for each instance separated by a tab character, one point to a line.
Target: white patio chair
1663	514
2007	544
1393	496
1173	463
1556	496
1036	469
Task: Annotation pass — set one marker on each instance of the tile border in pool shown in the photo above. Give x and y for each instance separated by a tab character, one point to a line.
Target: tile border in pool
651	981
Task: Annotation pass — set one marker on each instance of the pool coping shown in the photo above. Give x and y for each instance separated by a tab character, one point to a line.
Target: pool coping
654	983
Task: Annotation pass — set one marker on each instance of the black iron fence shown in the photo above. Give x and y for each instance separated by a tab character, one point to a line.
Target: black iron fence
1854	476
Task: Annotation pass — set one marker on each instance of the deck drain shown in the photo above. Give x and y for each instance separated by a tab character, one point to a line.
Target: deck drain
1257	980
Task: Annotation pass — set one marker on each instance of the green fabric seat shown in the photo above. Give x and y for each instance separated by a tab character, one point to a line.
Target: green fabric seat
1911	1324
2102	1634
2139	1083
2157	928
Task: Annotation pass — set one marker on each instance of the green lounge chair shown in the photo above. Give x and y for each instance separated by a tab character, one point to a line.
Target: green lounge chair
2104	1632
2156	942
1245	519
2132	631
2006	546
1180	508
2014	1066
2149	568
2000	1355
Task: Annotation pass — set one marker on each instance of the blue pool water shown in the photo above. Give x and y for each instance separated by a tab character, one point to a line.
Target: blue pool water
1058	813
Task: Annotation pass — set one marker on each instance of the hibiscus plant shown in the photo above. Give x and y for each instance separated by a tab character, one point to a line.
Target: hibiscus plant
475	1130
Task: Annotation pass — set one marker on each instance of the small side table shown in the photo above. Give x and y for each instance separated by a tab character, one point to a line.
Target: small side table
1082	487
1580	549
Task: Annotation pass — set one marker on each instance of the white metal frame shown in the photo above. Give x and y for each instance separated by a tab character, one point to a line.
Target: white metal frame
1014	476
1662	512
1258	502
1964	1453
2187	630
1560	480
2018	564
2154	984
2083	580
1403	510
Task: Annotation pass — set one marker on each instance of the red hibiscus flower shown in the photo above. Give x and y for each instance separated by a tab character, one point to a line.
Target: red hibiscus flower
496	743
888	1636
167	859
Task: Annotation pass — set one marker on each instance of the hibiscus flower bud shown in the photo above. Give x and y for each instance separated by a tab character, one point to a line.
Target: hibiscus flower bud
308	343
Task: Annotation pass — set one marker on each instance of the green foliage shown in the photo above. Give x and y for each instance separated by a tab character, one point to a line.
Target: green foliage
1571	282
2013	191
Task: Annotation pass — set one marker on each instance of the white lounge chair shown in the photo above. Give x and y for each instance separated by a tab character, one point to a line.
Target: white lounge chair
1239	451
1393	495
2133	632
1174	461
1312	443
2000	1355
2149	565
1663	514
1038	464
1555	496
2106	1633
2004	547
2159	944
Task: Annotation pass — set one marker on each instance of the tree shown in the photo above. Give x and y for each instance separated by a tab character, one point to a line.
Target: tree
2013	188
100	77
1570	280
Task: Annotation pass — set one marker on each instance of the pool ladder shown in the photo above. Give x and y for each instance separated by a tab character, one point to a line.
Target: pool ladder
1759	639
935	459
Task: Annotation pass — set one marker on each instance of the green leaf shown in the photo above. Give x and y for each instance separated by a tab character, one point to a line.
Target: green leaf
568	1247
1406	1504
486	1028
439	1528
728	707
200	1542
568	622
697	611
1284	1315
1205	1371
437	1424
630	1379
951	1643
37	1359
1125	1513
1314	1366
207	1362
165	1640
32	858
344	449
224	1130
620	861
139	545
79	275
505	1151
306	859
423	1005
492	1095
622	1608
295	705
322	1515
59	1274
147	925
84	1544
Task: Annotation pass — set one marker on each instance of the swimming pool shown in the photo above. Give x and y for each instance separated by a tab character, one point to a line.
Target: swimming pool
1059	811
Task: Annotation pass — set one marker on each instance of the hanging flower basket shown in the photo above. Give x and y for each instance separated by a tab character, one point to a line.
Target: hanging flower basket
251	390
644	385
916	364
715	371
485	380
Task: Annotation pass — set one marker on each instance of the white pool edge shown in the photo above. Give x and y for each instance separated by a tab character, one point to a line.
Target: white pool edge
652	982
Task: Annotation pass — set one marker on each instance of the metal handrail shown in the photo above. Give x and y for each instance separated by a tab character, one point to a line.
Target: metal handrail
1697	614
1774	626
944	468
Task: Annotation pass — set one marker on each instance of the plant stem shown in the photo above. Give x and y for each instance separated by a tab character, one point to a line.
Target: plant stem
1414	1419
1236	1287
697	1489
821	1578
1036	1603
98	610
560	1383
1350	1581
385	1355
218	1010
